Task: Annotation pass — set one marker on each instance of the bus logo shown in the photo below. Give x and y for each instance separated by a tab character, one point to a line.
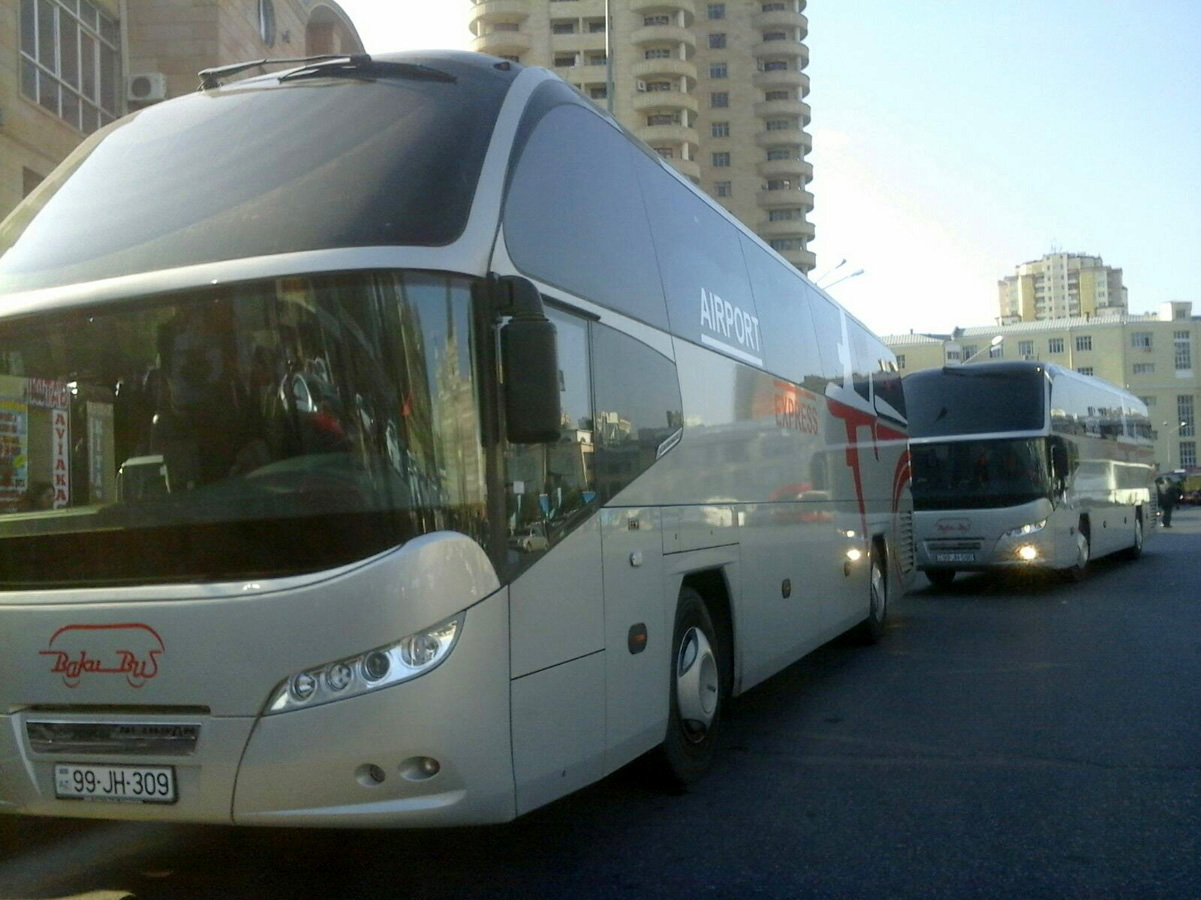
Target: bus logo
953	526
130	649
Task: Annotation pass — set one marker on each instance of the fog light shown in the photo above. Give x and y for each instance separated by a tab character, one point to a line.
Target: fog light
303	686
338	677
376	665
1028	553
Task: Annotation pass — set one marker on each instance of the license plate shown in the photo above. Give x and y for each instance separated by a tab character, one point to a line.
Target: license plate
133	784
954	557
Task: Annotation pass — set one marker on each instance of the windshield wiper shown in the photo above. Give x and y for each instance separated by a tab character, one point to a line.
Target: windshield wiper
363	66
333	65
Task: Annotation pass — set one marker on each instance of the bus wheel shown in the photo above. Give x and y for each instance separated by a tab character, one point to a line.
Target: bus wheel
1135	550
695	695
1083	548
940	578
877	604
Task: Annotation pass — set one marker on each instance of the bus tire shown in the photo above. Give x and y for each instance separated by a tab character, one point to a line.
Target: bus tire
1135	550
872	629
695	696
940	578
1077	570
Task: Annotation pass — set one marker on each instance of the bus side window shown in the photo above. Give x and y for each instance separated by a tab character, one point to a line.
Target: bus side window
638	408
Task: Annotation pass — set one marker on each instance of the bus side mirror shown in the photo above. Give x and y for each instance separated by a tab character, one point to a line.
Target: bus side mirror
1059	461
529	362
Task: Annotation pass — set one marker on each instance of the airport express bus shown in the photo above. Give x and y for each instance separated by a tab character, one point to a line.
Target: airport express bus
1026	464
422	449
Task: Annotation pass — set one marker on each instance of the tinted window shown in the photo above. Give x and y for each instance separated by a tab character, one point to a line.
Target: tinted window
638	407
250	170
704	275
789	343
827	319
549	487
265	428
963	400
980	474
574	218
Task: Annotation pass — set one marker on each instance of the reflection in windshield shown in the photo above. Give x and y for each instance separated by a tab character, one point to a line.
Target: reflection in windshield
978	474
208	423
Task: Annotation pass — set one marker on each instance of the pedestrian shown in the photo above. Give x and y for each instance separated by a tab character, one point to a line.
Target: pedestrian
1169	496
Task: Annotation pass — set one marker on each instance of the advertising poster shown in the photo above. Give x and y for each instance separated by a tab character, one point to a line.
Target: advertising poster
14	450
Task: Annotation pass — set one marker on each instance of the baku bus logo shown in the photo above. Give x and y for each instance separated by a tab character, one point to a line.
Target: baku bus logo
129	649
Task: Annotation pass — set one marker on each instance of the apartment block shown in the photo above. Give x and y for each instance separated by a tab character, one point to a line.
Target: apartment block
70	67
1061	285
717	89
1153	356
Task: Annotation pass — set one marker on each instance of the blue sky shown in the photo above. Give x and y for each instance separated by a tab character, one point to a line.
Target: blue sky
954	140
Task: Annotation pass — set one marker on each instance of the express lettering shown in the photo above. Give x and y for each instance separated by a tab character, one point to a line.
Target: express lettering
794	415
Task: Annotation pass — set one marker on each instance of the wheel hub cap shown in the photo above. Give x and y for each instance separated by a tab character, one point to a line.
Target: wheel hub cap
696	684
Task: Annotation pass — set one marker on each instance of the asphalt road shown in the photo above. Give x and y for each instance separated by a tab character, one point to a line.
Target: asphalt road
1006	739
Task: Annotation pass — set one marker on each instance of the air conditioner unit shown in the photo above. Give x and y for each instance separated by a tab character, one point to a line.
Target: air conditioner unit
146	87
640	85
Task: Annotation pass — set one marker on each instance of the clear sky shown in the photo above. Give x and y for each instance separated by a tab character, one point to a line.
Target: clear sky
954	139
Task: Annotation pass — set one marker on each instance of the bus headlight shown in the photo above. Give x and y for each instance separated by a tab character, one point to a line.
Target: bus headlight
381	667
1026	529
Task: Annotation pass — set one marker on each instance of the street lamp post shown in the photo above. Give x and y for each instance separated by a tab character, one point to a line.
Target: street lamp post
995	342
1170	433
854	274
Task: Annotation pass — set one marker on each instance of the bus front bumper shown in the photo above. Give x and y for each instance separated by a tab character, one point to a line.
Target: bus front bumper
1022	552
359	762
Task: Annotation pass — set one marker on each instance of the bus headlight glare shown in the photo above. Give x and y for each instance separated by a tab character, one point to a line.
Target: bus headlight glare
1024	530
380	667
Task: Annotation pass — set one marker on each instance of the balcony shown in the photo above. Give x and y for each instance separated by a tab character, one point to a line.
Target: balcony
802	259
785	168
781	50
780	18
687	167
792	137
498	11
580	42
662	34
502	43
791	197
648	69
665	100
781	78
774	109
646	7
667	135
583	74
795	228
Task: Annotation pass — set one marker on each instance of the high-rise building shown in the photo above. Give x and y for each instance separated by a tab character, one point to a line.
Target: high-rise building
1061	285
69	67
717	89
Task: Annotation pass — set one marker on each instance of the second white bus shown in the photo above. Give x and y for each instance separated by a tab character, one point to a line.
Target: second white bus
1026	465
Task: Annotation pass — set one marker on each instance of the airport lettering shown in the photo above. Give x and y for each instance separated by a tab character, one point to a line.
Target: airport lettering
724	318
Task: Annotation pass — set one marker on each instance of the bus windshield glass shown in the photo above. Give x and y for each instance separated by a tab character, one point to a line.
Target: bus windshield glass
970	400
260	168
260	429
979	474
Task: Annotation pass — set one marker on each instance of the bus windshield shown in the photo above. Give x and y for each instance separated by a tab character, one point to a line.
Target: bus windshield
979	474
267	428
248	171
974	400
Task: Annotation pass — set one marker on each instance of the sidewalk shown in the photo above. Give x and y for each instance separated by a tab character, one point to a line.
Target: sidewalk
1185	520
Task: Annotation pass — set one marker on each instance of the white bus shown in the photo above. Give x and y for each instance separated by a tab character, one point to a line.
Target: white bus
488	455
1026	464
